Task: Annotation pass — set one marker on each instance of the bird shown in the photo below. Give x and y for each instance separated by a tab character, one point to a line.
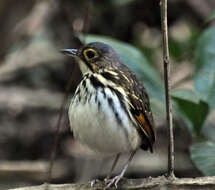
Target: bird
110	110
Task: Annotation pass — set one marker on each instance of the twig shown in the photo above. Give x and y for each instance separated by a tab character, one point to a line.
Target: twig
57	130
166	63
56	137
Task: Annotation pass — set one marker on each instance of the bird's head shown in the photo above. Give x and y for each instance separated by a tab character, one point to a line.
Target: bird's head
94	56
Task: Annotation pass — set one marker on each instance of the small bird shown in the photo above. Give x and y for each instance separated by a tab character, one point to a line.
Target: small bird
110	110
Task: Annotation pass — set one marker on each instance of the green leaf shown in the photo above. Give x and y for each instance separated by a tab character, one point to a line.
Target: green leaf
210	17
158	108
203	155
176	49
204	77
136	61
192	108
209	131
186	94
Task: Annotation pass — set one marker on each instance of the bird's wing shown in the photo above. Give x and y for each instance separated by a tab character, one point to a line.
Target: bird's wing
138	101
140	109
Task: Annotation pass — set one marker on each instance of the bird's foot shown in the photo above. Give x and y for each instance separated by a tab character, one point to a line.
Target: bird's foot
112	181
107	179
93	182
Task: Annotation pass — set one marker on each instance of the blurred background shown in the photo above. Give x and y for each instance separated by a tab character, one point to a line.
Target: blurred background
35	78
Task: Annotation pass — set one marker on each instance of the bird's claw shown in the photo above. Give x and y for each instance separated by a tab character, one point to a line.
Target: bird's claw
112	181
93	182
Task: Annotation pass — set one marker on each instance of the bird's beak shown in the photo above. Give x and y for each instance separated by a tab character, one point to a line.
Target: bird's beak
70	52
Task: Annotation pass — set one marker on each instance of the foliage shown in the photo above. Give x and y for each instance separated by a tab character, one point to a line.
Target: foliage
204	78
192	108
203	156
202	153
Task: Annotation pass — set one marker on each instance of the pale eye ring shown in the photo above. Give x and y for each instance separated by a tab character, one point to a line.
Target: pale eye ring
90	54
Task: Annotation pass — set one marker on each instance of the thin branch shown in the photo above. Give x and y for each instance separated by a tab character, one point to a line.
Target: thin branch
161	182
57	129
56	138
166	63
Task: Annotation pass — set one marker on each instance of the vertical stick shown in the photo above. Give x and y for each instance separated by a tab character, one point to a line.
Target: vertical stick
166	64
57	131
56	138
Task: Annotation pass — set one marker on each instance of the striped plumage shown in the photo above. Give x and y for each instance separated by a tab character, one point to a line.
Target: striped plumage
110	110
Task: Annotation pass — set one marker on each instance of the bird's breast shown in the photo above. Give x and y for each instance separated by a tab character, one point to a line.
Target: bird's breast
99	120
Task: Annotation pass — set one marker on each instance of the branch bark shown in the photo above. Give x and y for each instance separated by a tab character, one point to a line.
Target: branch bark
203	183
166	64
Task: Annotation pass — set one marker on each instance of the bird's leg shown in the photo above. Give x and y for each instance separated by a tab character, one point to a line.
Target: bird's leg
117	178
93	182
112	168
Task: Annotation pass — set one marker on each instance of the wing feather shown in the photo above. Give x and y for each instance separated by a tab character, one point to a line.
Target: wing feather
138	102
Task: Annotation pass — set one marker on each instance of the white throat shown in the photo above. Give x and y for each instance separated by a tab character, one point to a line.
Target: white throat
83	67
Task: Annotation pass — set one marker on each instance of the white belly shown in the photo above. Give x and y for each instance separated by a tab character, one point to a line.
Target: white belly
99	127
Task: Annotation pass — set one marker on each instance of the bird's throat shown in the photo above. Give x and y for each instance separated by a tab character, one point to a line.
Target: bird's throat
83	67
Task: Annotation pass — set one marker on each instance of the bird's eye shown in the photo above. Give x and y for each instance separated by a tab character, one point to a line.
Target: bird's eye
90	54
